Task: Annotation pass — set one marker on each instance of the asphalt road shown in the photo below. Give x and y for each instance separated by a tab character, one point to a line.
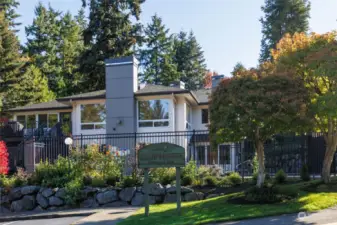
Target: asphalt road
55	221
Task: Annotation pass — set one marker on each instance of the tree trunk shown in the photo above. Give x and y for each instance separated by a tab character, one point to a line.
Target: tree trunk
260	158
328	158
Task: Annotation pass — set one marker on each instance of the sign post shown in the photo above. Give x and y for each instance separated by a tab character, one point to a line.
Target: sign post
163	155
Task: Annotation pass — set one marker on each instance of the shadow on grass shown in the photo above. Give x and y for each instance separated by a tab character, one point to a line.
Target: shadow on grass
218	210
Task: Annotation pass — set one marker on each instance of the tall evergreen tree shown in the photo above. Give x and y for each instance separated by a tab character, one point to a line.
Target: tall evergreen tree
157	56
281	17
190	60
110	33
9	9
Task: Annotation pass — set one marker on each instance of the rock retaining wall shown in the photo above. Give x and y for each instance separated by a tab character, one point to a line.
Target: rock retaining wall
39	199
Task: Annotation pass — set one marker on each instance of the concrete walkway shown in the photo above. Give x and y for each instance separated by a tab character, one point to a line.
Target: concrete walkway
324	217
107	217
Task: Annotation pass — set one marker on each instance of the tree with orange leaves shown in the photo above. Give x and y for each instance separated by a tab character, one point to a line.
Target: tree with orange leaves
312	58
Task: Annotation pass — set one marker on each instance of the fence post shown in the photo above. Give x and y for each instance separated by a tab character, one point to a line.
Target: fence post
81	141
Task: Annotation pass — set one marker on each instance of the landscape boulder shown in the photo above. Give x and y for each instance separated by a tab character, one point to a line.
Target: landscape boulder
107	197
127	194
173	190
194	196
42	201
47	192
55	201
29	190
15	194
61	193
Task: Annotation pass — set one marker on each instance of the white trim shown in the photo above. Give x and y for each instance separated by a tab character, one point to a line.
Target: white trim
119	64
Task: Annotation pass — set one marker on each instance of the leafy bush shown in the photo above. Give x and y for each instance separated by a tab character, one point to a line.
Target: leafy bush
215	171
163	175
203	172
98	182
235	178
267	178
190	170
210	181
87	180
305	176
8	182
280	177
255	164
225	182
187	180
73	191
270	194
129	181
111	181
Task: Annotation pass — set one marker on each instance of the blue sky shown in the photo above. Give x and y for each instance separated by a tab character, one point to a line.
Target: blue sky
229	31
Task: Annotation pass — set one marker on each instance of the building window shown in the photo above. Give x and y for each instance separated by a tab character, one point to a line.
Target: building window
188	118
48	120
93	116
204	116
153	113
31	121
52	120
21	120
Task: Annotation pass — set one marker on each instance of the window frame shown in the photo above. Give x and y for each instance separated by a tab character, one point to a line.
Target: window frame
153	121
103	124
202	121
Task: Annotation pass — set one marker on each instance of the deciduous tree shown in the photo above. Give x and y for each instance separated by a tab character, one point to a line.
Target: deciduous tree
256	109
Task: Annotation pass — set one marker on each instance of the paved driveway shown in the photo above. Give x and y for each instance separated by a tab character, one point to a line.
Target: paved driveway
56	221
325	217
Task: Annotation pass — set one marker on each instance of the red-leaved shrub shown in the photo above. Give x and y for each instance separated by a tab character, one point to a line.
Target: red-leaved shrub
3	158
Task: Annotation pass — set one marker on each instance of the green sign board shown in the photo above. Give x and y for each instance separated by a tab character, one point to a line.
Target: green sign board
157	156
161	155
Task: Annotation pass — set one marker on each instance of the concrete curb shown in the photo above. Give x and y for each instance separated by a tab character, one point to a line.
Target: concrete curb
47	216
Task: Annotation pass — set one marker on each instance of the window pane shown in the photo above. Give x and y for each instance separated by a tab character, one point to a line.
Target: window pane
88	127
204	116
42	120
161	124
153	109
52	120
100	126
93	113
146	124
31	122
21	120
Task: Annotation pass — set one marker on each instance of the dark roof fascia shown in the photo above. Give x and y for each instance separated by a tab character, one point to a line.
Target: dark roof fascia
80	98
203	103
40	109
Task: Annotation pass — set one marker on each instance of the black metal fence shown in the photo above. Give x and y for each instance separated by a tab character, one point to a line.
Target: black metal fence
287	152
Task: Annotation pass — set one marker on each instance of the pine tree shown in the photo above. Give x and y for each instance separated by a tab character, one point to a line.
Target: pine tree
190	60
157	56
8	7
281	17
110	34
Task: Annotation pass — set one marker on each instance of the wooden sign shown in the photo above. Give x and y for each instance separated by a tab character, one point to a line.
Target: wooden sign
161	155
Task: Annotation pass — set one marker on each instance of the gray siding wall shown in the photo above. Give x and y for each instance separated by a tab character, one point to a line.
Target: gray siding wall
121	83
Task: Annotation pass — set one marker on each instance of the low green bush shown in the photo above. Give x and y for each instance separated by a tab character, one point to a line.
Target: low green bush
280	177
190	170
235	178
87	180
305	176
210	181
187	180
129	181
111	180
98	182
225	182
73	191
162	175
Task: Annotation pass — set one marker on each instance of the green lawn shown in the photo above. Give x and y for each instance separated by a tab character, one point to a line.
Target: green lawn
219	210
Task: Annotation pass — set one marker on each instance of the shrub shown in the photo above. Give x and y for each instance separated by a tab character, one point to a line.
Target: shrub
305	176
210	181
163	175
111	181
73	191
129	181
215	171
225	182
187	180
280	177
267	178
235	178
270	194
203	172
87	180
98	182
7	182
190	170
255	164
4	163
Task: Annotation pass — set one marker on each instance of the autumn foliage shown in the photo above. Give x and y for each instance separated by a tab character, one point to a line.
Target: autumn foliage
4	163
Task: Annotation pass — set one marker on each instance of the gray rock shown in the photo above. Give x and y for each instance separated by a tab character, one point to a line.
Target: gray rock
4	199
194	196
139	189
17	206
88	192
212	196
156	189
55	201
29	202
89	203
47	192
4	210
107	197
61	193
28	190
42	201
127	194
53	208
38	209
139	199
169	198
116	204
173	190
15	194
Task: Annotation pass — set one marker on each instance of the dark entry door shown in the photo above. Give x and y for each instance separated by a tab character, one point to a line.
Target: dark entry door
65	119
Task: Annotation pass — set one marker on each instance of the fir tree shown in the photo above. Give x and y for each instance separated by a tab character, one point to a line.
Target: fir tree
110	34
157	56
9	9
281	17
